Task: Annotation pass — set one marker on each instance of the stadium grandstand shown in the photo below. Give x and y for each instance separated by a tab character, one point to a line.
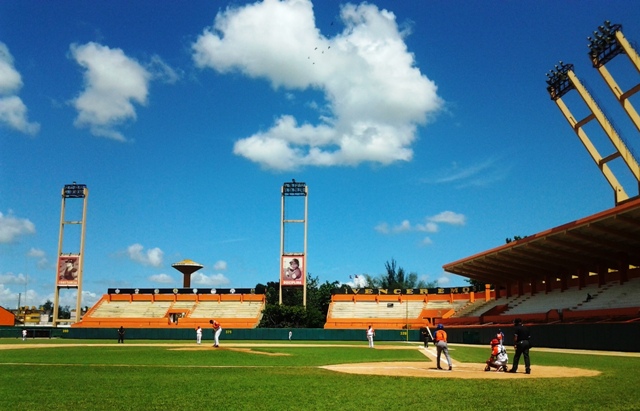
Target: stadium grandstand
398	308
175	308
583	271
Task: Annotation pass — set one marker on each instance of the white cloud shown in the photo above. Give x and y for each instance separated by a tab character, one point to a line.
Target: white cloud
11	278
214	280
9	297
10	79
113	82
12	227
220	265
40	256
443	281
475	175
383	228
357	281
448	217
13	112
160	70
430	226
375	94
89	299
35	253
403	227
152	257
161	278
427	241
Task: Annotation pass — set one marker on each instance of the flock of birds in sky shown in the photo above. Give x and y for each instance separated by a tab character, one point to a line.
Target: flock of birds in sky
316	49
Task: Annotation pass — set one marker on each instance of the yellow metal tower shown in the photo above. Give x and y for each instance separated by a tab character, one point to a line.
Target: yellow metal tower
607	43
293	263
562	80
70	264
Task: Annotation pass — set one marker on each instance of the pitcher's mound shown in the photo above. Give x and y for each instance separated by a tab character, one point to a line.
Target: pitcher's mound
460	370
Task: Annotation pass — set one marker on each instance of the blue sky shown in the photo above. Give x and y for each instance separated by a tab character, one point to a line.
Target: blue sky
423	130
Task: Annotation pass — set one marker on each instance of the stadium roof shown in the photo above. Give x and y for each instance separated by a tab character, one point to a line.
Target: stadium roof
601	240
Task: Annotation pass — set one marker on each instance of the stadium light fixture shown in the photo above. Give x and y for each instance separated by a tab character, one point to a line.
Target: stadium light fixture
558	82
604	44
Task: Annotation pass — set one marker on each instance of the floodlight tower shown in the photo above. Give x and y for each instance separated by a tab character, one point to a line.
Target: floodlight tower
70	265
606	44
562	80
293	264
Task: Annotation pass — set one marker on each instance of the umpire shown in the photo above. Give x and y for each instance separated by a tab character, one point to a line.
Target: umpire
521	343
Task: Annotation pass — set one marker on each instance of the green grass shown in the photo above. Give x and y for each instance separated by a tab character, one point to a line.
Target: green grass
134	377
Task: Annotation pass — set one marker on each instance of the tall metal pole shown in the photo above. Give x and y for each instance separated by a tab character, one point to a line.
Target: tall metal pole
74	262
306	257
281	243
294	189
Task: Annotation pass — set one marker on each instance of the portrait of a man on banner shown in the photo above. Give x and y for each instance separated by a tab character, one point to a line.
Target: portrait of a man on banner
68	266
292	270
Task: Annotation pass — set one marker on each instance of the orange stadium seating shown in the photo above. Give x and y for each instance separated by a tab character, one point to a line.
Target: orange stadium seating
174	310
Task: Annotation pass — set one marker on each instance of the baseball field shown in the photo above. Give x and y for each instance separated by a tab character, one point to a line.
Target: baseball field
262	375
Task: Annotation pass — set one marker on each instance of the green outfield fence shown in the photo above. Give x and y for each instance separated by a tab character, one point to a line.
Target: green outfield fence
598	336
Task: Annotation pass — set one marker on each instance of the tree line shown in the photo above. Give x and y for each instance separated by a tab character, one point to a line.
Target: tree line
292	314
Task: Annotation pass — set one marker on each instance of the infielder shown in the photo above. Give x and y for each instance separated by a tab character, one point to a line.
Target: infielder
198	335
370	334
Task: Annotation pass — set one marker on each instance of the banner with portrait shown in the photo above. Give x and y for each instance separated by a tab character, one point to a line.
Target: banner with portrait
292	270
68	270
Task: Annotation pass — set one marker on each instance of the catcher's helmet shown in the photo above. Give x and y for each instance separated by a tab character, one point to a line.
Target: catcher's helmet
440	326
495	341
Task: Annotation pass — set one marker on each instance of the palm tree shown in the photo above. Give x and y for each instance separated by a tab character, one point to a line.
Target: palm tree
396	277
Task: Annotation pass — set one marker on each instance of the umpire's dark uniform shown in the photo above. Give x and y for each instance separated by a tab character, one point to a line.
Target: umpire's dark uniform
521	340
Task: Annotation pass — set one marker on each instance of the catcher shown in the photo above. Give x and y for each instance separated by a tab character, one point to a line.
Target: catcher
499	358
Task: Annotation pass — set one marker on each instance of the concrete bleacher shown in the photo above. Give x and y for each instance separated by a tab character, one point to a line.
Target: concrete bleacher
486	306
613	295
169	310
228	309
611	301
348	311
134	309
373	309
555	300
